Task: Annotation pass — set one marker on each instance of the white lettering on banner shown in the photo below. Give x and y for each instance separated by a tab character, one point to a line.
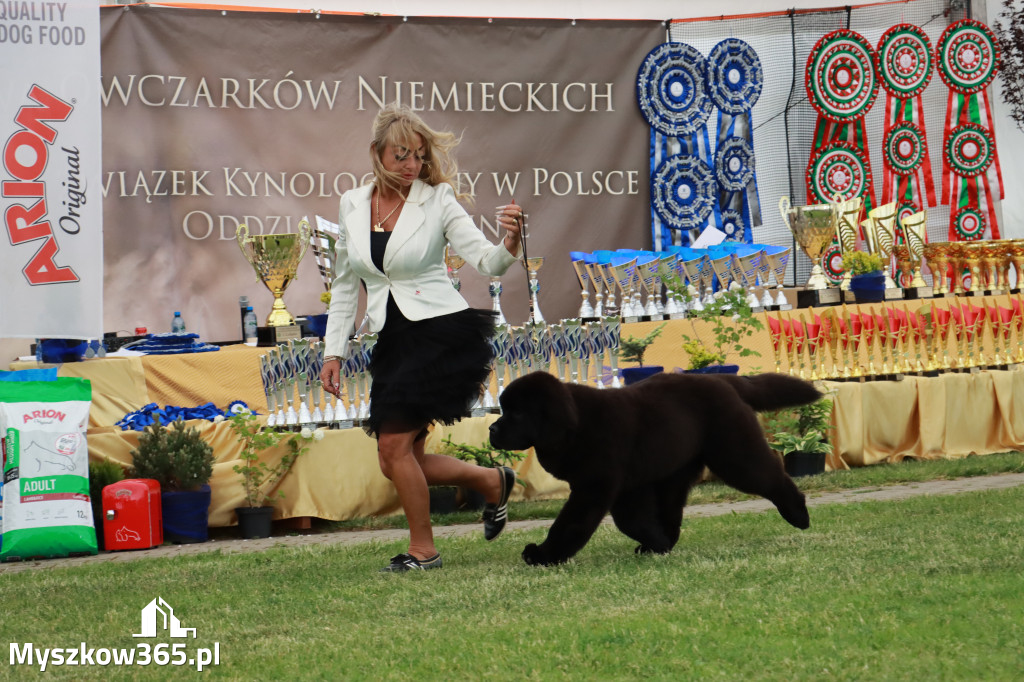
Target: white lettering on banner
160	183
157	90
581	184
242	183
577	97
200	225
25	156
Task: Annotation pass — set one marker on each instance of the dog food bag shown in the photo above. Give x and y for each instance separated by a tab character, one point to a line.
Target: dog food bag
46	469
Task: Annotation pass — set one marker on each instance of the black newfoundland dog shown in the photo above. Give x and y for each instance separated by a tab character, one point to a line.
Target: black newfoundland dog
637	451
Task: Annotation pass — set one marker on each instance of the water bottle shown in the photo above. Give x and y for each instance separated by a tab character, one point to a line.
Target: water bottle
250	326
177	324
243	304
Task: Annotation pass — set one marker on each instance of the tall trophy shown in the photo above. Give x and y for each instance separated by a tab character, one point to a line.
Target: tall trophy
846	230
937	256
813	227
276	258
914	231
880	235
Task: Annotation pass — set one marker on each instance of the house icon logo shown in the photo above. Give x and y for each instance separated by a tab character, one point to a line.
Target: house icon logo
159	613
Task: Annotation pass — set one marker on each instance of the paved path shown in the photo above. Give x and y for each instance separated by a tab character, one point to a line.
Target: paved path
231	546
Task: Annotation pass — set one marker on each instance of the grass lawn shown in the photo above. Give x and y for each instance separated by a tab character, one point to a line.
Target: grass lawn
920	589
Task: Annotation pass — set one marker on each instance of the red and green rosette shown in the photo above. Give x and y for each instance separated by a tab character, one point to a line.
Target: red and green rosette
841	85
967	55
904	61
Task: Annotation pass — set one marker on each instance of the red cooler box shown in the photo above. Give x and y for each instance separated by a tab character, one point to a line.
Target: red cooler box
131	515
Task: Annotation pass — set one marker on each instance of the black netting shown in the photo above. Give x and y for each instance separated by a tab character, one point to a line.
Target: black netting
784	120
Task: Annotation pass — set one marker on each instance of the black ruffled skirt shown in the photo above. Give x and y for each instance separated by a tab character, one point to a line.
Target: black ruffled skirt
430	370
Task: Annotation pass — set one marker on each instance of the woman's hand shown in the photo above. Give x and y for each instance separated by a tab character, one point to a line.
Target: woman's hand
330	376
510	217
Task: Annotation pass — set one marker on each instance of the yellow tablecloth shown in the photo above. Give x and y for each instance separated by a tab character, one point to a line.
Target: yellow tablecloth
953	415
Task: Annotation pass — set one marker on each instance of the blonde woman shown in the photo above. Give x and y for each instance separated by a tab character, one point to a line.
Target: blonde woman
433	351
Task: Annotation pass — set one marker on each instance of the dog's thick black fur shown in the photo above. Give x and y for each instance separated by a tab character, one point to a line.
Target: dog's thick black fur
637	451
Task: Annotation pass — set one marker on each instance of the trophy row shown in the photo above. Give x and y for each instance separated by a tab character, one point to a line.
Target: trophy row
979	267
666	285
576	351
885	342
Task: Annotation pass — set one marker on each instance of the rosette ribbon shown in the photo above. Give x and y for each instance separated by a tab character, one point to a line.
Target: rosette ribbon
842	86
734	82
968	58
904	60
673	99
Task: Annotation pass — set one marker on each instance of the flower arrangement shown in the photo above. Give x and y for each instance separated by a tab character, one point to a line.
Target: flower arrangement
325	298
800	429
485	455
862	262
258	479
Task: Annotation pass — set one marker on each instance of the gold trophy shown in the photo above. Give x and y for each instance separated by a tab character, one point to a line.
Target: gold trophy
937	256
453	261
813	227
846	230
276	258
973	254
1017	259
915	231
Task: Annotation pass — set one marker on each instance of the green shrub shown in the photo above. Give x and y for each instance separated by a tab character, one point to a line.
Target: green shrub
176	457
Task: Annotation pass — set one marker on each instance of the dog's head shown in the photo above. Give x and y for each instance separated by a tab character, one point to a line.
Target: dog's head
536	410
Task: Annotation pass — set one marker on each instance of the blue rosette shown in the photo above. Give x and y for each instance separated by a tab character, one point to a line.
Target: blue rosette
683	192
670	89
734	82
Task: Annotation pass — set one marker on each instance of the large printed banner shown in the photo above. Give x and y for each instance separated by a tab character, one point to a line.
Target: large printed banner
212	120
51	256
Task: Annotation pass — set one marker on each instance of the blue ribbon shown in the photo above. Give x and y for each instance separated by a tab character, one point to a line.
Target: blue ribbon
148	414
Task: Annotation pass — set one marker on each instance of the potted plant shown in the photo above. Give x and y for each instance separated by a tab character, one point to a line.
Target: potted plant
868	275
799	435
632	349
179	460
732	322
485	455
101	474
259	480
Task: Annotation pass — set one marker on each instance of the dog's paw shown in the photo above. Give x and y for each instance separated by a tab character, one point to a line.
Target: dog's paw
644	549
535	555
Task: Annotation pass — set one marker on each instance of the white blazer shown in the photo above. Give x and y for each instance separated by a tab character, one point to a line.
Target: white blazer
414	260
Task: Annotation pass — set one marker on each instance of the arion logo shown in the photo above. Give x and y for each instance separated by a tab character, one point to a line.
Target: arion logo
159	614
24	158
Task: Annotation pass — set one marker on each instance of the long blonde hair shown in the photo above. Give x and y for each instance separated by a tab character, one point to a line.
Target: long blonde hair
397	125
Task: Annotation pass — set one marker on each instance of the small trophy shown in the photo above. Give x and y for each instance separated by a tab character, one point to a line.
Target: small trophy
668	272
647	270
914	231
532	265
1017	259
622	270
612	328
778	259
937	256
596	272
813	227
749	265
579	265
454	261
276	258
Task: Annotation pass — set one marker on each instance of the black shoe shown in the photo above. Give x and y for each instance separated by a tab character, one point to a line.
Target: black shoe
495	515
407	562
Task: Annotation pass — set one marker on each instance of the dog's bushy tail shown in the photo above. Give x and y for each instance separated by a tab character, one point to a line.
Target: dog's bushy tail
773	391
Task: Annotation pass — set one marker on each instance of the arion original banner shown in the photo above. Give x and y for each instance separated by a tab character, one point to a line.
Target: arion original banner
51	256
212	120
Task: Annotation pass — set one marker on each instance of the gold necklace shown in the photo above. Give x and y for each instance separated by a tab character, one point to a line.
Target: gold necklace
377	227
